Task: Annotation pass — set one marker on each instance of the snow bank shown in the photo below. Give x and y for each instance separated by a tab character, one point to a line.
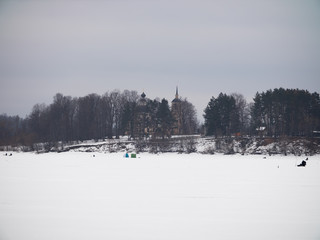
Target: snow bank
208	145
187	144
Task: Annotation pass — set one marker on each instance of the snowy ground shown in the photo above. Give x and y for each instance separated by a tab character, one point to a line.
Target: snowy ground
66	196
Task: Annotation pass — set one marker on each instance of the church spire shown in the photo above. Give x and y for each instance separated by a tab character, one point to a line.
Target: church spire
177	98
177	94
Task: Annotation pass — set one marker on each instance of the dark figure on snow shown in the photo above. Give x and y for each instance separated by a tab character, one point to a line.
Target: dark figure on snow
302	164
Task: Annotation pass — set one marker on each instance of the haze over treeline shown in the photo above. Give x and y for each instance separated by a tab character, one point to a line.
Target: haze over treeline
278	112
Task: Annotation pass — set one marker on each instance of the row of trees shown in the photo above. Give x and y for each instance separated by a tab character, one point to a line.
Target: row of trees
227	115
289	112
90	117
278	112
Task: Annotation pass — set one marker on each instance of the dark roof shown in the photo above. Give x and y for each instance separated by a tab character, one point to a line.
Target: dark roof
176	100
143	95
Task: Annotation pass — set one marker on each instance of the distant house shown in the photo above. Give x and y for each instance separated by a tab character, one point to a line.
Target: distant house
316	134
261	130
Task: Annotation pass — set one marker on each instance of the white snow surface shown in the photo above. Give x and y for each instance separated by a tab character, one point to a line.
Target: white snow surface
72	195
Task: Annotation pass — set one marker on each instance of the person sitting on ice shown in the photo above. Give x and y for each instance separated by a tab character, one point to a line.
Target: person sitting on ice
302	164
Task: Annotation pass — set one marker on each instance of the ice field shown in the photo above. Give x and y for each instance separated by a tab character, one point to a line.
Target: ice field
66	196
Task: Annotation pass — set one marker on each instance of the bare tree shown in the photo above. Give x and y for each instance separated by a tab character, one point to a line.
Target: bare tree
130	99
189	118
88	119
243	111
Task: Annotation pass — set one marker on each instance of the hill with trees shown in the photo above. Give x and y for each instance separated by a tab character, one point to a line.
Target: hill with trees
287	114
112	114
274	113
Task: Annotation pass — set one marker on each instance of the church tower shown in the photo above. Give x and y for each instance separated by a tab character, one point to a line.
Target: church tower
176	114
141	129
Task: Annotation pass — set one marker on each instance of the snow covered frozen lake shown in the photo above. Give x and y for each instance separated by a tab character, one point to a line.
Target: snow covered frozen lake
66	196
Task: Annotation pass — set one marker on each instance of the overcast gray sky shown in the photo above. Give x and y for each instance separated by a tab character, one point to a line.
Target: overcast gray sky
205	47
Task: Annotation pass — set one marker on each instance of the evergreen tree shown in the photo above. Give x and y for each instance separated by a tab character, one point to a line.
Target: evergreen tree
211	116
221	116
164	119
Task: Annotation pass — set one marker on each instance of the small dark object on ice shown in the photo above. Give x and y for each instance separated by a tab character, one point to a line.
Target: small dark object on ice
302	164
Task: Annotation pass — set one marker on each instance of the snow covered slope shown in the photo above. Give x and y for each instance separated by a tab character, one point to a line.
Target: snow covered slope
168	196
184	144
206	145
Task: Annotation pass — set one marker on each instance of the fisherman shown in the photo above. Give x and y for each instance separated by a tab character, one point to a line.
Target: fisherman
302	164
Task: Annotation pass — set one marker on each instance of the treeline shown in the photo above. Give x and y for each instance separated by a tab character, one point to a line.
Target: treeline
278	112
91	117
274	113
289	112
